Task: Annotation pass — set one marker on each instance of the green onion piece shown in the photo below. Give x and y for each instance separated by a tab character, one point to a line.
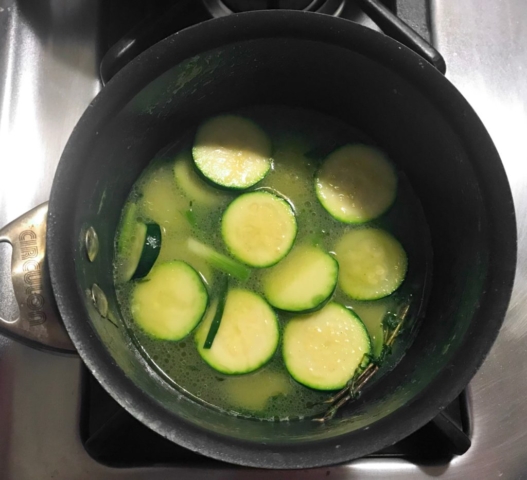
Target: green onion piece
191	216
218	260
215	324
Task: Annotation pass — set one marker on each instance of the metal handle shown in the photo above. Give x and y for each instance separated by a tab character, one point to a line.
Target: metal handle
39	322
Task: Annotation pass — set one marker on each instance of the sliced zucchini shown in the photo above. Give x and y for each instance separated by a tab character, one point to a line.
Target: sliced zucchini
194	187
129	251
149	251
161	201
356	184
128	226
292	173
170	302
259	228
303	281
323	350
138	246
372	263
232	151
247	337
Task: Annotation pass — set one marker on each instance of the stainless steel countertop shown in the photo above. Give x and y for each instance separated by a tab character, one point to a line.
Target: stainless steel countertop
47	78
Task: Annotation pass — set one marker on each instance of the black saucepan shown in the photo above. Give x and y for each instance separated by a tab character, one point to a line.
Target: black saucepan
349	72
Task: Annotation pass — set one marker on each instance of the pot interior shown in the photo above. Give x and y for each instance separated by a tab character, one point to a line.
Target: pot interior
408	123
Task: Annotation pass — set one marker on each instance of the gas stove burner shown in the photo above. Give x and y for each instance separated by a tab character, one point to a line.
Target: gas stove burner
221	8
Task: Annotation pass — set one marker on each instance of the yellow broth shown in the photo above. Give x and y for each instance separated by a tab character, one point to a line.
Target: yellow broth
269	393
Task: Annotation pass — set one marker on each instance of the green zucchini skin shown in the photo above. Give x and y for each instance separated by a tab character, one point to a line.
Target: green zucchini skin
303	282
356	184
247	337
232	152
259	228
138	245
195	186
170	302
325	349
149	252
373	264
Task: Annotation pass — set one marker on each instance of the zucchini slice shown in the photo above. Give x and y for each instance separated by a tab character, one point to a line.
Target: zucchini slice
303	281
372	263
356	184
194	187
150	248
170	302
259	228
232	151
128	226
247	336
130	250
138	245
161	202
323	350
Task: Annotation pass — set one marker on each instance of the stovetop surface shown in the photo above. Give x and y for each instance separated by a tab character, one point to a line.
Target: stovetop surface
114	437
49	57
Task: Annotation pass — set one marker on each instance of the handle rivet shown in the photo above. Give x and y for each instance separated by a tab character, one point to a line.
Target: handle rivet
99	300
91	242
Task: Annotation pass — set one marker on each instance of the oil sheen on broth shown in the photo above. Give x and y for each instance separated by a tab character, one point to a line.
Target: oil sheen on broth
297	135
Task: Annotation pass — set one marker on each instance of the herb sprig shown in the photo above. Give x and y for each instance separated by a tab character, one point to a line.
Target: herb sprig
392	324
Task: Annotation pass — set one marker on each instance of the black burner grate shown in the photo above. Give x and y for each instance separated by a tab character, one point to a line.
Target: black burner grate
115	438
130	27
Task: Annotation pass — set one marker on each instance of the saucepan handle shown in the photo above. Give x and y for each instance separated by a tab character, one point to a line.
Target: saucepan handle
38	324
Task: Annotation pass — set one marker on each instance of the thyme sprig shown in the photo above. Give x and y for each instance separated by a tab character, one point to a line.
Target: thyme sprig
392	324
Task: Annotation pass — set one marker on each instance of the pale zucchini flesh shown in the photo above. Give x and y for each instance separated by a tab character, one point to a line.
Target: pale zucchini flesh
291	171
247	336
127	231
170	302
232	151
356	184
259	228
130	241
193	186
323	350
162	202
303	281
372	263
129	257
